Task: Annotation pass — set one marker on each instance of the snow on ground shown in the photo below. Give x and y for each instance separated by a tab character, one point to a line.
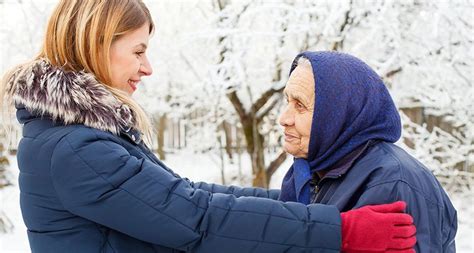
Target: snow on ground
206	167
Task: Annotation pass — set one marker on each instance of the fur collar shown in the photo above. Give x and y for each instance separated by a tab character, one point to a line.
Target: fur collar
69	97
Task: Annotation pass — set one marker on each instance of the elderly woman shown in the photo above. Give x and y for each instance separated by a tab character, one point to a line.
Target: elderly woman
340	125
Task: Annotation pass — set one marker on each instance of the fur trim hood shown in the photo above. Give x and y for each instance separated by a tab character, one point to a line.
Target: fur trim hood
69	97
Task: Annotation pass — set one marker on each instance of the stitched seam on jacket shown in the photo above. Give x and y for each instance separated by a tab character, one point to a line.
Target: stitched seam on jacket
106	238
274	243
76	154
452	222
412	187
62	138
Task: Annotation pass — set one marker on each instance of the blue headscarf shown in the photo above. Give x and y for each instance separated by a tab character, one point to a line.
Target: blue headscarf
352	106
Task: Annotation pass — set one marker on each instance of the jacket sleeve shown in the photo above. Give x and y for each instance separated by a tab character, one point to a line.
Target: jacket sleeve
97	179
435	223
238	191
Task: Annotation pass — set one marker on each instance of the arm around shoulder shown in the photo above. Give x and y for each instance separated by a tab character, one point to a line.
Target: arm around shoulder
98	179
238	191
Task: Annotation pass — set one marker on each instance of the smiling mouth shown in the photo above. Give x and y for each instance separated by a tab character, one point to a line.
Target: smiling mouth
133	84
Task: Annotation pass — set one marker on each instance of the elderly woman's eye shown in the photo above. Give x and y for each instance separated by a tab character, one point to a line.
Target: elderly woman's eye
300	106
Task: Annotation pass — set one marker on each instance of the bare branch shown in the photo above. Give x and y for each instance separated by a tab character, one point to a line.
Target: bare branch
275	164
238	106
264	98
347	21
191	66
267	110
393	72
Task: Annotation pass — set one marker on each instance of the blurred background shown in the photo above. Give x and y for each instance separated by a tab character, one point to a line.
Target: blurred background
220	67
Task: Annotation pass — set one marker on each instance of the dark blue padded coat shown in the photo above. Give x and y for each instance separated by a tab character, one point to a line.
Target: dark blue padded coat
89	184
384	173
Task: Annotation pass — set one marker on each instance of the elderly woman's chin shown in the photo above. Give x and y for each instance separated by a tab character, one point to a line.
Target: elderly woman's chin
295	150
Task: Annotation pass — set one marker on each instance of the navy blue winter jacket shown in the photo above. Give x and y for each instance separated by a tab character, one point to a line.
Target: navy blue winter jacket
384	173
89	184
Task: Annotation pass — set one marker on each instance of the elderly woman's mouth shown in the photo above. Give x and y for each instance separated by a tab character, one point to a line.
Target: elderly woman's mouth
290	137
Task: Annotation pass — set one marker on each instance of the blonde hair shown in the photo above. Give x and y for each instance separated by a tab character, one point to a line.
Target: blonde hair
79	36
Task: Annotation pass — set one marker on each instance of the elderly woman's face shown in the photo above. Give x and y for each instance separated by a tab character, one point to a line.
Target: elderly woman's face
298	114
128	60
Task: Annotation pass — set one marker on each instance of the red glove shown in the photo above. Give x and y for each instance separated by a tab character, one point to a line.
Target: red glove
378	228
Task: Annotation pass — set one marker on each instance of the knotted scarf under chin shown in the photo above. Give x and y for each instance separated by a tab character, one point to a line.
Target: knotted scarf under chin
295	186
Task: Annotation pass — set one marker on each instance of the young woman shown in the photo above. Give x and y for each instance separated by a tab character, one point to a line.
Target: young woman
345	155
89	183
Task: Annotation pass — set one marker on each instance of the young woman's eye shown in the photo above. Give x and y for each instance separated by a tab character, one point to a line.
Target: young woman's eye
139	53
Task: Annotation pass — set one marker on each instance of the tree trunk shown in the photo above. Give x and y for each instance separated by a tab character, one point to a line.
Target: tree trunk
228	139
161	136
255	150
258	163
260	178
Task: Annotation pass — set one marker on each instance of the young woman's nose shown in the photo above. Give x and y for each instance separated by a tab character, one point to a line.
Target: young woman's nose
286	117
145	67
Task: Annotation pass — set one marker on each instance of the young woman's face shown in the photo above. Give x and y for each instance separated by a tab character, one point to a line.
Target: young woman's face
128	60
298	114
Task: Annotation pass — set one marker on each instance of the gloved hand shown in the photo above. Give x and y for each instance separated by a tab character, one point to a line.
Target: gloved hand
378	228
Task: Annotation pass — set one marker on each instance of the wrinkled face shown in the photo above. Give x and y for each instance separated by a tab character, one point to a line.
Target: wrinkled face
128	60
297	117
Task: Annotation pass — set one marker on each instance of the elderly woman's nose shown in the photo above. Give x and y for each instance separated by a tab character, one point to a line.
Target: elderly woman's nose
286	117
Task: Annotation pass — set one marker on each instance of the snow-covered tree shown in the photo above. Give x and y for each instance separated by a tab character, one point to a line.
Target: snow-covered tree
5	181
226	63
229	60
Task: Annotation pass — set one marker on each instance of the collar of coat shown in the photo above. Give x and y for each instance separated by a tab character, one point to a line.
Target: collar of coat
68	97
